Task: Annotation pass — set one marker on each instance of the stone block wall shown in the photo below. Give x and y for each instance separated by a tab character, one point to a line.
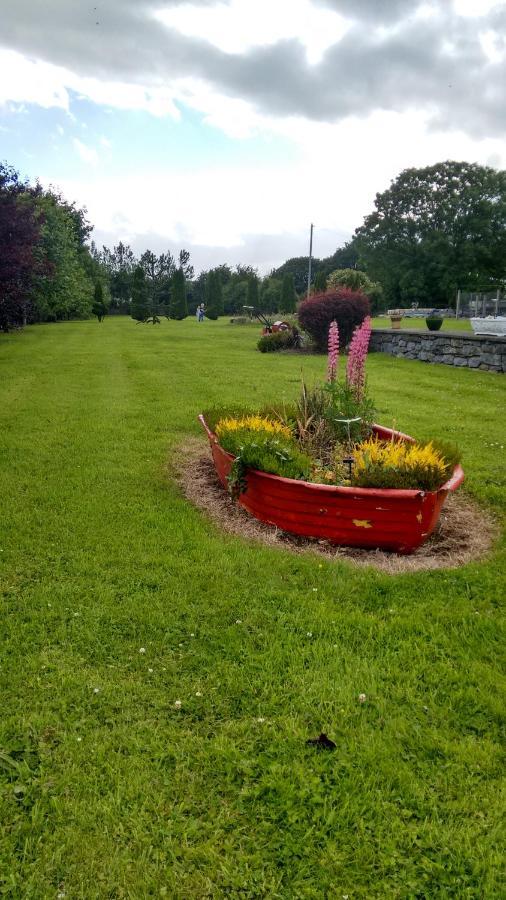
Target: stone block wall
452	348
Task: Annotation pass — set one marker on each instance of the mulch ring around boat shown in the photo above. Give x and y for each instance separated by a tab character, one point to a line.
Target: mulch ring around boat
465	532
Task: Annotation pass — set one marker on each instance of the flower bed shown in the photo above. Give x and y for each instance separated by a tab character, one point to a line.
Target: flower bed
388	519
386	490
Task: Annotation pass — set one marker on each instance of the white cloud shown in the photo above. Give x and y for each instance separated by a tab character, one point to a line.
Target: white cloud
475	8
87	154
27	81
239	25
245	70
333	184
31	81
493	45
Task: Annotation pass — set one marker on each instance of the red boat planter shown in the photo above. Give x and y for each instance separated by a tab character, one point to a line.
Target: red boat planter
374	518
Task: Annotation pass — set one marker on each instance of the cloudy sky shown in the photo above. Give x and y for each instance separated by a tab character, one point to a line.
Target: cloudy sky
227	127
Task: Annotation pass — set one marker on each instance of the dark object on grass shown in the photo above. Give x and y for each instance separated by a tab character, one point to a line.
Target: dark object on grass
434	322
322	742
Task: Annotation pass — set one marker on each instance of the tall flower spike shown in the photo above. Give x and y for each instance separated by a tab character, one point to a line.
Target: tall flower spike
333	355
355	368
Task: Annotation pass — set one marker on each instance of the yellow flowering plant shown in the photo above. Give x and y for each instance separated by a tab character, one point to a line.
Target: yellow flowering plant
252	423
260	443
398	464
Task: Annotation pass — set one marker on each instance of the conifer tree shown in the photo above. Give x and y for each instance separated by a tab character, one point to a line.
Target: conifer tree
320	282
178	308
99	308
140	305
214	296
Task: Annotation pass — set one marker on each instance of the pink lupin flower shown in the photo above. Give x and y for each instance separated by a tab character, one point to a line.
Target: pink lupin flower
355	368
333	355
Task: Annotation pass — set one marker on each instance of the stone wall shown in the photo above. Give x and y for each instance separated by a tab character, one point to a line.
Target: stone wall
452	348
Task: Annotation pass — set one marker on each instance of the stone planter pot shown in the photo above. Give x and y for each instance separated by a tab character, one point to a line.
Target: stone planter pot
395	321
433	324
399	520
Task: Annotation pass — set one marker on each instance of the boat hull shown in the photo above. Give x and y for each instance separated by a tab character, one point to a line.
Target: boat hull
372	518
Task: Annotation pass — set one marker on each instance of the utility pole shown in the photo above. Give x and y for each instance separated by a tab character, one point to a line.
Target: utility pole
310	258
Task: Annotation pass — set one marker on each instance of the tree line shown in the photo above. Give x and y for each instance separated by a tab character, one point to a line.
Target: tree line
46	269
434	230
152	286
50	271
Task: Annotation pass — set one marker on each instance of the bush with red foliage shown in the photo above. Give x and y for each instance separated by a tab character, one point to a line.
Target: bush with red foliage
20	238
349	308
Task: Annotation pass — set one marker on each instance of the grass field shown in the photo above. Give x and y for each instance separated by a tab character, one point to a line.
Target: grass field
448	324
119	599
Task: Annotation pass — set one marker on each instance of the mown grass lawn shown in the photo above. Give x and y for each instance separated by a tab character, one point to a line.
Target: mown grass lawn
408	322
119	599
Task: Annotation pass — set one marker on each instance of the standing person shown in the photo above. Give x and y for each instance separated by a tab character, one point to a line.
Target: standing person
201	312
197	313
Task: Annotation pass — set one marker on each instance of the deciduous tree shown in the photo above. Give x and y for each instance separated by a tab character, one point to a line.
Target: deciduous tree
288	295
357	281
437	229
65	289
252	298
270	295
21	260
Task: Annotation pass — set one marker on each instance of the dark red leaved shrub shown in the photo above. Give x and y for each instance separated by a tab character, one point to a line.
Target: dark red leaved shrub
348	307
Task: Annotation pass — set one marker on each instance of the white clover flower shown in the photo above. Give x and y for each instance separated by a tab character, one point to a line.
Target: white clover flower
178	704
96	690
150	671
238	621
309	634
198	693
362	698
142	649
260	720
